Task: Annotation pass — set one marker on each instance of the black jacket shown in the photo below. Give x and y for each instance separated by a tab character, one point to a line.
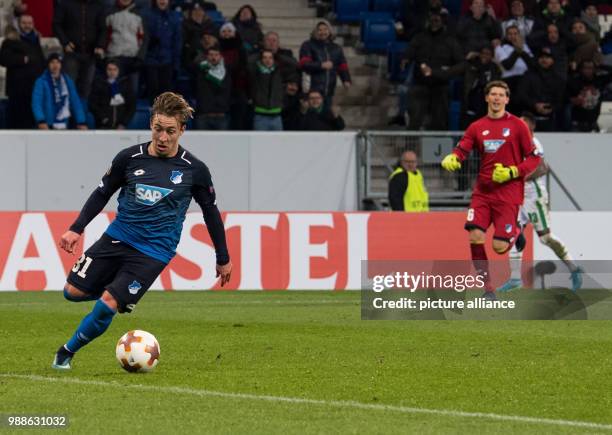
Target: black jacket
541	86
192	33
20	76
323	121
266	90
213	97
440	51
473	33
82	23
312	54
107	116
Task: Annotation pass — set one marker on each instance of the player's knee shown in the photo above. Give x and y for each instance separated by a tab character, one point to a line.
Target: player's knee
477	236
501	246
110	300
73	294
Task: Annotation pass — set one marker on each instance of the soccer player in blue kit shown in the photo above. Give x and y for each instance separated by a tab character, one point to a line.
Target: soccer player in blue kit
157	181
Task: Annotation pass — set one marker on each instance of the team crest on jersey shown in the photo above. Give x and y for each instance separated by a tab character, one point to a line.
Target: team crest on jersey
492	145
506	132
486	132
508	228
150	195
134	287
176	177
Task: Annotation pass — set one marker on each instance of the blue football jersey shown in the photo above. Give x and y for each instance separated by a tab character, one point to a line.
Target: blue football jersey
154	197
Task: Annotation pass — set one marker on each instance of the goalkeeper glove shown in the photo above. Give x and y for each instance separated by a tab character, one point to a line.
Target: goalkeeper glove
502	173
451	163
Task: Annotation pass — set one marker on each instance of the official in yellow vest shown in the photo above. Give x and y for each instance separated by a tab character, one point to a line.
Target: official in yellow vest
407	190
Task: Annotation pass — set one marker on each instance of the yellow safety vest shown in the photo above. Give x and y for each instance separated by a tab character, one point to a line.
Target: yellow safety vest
416	198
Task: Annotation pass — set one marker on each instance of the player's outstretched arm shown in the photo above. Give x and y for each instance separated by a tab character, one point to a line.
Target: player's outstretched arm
69	240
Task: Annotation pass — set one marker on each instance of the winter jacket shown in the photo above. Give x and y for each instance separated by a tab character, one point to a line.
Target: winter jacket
125	32
473	34
250	34
320	121
42	101
82	23
235	58
109	116
266	89
163	30
541	86
440	52
313	53
20	76
213	97
192	34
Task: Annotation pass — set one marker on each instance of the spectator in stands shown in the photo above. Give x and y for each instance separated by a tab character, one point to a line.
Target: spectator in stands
515	57
283	58
194	27
517	18
322	59
552	14
415	16
478	28
22	56
496	9
590	17
41	12
125	33
407	191
163	54
437	58
214	91
186	5
267	92
79	25
248	28
112	101
586	47
585	92
235	58
558	48
292	105
55	101
541	91
316	117
479	71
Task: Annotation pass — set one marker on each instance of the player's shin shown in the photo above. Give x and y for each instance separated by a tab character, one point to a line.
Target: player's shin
558	247
92	326
481	263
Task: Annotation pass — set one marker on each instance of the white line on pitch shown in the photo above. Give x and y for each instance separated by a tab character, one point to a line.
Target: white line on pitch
334	403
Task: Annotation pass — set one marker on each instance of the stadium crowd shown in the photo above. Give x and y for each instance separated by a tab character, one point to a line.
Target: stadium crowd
549	52
118	53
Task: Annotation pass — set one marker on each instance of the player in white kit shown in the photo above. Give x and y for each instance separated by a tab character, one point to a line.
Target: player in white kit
535	210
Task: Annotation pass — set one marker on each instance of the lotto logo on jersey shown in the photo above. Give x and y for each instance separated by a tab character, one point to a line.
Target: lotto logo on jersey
492	145
150	195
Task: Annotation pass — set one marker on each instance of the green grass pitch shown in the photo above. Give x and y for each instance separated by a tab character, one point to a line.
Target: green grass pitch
304	362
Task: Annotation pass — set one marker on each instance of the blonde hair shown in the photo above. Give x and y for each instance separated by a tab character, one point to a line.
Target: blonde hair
171	104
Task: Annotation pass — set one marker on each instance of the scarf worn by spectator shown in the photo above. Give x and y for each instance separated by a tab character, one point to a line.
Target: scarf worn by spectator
31	37
264	69
116	97
214	73
61	101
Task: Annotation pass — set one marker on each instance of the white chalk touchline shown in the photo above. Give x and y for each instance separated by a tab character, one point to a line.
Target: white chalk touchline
299	400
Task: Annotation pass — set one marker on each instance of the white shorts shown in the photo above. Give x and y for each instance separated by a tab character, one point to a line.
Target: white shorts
536	211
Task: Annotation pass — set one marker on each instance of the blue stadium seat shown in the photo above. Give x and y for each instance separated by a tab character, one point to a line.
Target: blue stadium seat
217	17
395	53
350	10
140	120
393	7
454	115
377	31
453	6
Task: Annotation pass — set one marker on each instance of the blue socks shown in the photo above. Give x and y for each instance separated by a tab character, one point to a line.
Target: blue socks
93	325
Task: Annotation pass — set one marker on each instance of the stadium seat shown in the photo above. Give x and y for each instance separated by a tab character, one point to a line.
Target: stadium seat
217	17
605	117
347	11
453	6
377	31
395	53
454	115
140	120
391	6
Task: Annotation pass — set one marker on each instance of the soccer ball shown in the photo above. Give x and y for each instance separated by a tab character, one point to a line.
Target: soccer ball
137	351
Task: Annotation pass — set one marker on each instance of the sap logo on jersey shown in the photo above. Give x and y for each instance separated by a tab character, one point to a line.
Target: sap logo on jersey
150	195
492	145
